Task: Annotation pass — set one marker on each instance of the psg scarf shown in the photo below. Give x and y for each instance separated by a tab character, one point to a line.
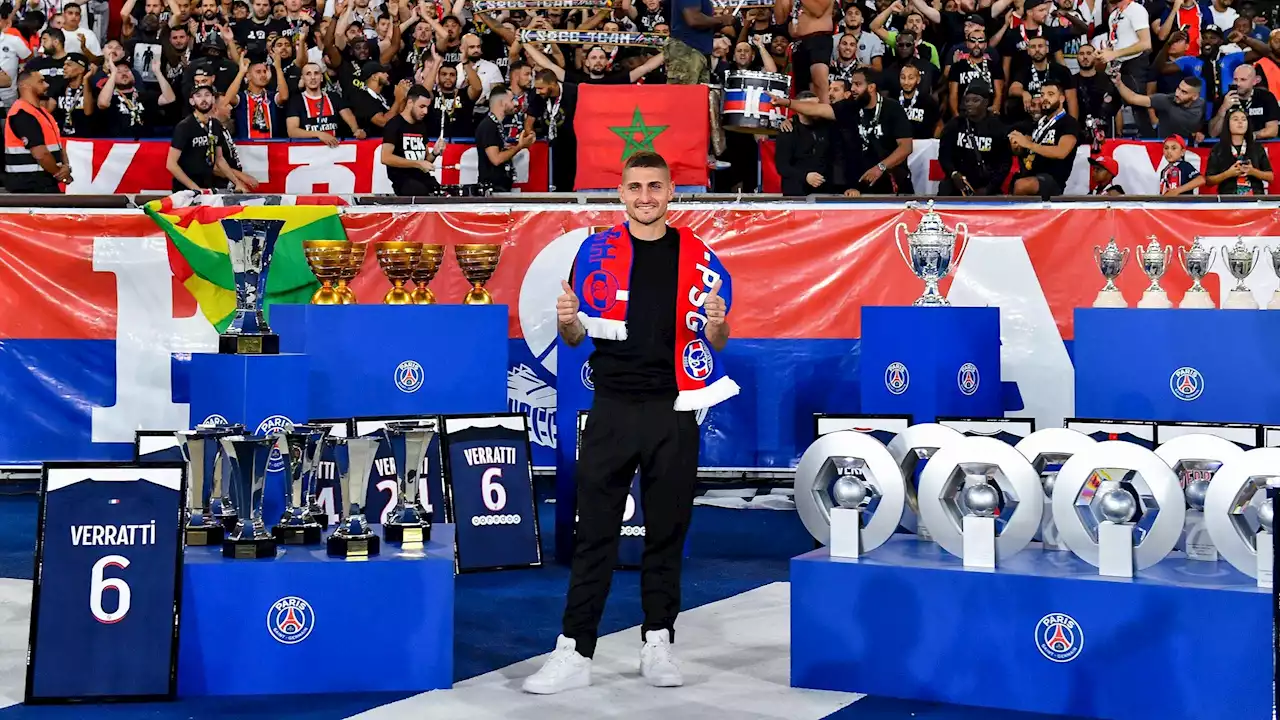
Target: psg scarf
602	276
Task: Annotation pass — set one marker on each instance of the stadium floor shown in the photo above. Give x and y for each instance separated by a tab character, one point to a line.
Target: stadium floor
734	639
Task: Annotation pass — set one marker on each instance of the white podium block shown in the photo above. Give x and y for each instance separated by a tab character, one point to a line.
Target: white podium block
1050	538
979	542
1240	300
1157	299
846	533
1265	543
1110	299
1197	301
1196	542
1275	301
1115	549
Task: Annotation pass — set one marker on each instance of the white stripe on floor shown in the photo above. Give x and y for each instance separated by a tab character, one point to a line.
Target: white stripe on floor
735	654
15	619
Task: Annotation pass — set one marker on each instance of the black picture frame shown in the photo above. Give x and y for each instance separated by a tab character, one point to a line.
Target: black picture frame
890	419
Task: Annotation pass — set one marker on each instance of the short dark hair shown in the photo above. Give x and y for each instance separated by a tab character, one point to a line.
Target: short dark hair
498	90
26	75
840	80
416	92
868	75
646	159
56	34
546	76
1057	85
1193	82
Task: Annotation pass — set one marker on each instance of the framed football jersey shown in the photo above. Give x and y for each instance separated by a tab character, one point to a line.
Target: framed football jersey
1009	430
156	446
882	427
1140	432
1246	436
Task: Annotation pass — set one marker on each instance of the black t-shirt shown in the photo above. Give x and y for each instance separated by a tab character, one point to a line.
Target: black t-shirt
456	111
252	35
51	69
890	79
410	141
27	128
1033	79
555	120
318	114
1262	109
489	134
223	71
131	115
647	19
643	366
922	112
1014	45
410	60
614	77
364	104
766	35
69	111
966	71
198	144
879	130
1050	133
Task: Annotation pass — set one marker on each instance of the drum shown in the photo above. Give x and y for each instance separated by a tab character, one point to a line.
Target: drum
746	107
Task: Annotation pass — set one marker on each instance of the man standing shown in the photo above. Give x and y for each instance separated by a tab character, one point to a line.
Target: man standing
557	106
408	159
196	156
811	27
495	171
1264	113
651	373
32	143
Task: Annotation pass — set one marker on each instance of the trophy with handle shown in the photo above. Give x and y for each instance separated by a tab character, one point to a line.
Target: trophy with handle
1275	265
220	507
1111	261
929	253
353	536
408	521
249	455
251	244
1155	263
298	526
200	452
1196	262
1240	259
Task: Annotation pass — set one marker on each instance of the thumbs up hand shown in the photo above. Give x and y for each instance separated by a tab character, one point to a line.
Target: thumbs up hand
714	306
567	305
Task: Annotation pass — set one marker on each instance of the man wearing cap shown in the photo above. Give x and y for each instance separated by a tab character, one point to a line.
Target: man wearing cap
212	62
1102	176
197	157
76	102
974	148
1205	66
370	105
1178	177
1178	113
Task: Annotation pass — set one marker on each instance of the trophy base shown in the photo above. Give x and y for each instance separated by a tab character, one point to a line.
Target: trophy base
1275	301
298	534
321	518
477	296
1155	299
398	296
423	296
354	546
397	534
228	522
326	295
249	548
265	344
1110	299
201	535
1240	300
1197	301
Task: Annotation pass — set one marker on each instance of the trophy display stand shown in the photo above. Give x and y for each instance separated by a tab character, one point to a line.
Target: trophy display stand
1265	544
203	534
309	533
1196	542
353	546
979	542
250	548
1155	299
1197	301
1240	300
407	533
1110	299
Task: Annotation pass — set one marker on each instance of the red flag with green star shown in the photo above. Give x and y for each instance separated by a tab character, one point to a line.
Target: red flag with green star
613	122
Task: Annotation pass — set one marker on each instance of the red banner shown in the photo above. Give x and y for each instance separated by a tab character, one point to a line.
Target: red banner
104	167
613	122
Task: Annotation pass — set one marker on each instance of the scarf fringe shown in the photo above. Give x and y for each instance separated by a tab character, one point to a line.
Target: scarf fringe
713	394
602	328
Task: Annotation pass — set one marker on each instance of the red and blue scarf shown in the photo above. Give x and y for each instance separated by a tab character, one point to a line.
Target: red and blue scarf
601	278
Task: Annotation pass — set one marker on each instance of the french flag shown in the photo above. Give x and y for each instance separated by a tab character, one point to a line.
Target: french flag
758	104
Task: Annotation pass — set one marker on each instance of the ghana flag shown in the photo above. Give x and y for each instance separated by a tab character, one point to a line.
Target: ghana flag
198	247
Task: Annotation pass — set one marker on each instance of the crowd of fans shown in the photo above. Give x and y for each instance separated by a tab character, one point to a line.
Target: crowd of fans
1010	88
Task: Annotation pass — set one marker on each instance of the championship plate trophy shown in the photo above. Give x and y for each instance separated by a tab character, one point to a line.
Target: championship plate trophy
849	493
200	452
398	261
327	259
1196	459
478	263
249	455
408	521
424	272
1111	262
353	536
251	245
358	253
929	253
1239	511
1155	263
1275	265
298	526
1047	450
1240	260
1196	262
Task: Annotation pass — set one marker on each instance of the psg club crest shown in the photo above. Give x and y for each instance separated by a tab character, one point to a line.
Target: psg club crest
968	378
585	375
275	463
409	376
600	290
697	360
897	379
1186	383
214	419
1059	637
290	620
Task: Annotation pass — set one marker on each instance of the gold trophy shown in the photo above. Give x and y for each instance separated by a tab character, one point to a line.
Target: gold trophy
358	253
328	259
478	263
398	260
426	269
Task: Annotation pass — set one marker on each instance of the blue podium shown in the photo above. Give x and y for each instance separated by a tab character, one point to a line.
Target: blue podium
1183	640
1192	365
306	623
931	361
376	360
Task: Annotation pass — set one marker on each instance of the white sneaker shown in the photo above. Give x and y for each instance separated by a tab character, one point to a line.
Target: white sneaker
657	664
564	670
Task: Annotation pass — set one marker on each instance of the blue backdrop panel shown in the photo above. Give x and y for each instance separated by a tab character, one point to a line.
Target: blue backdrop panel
399	359
306	623
1178	365
931	361
1043	633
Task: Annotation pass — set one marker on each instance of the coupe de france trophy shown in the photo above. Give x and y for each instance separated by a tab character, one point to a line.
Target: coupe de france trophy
1111	262
200	451
1275	265
1196	262
354	537
929	253
408	521
249	455
1240	260
250	245
1155	263
298	526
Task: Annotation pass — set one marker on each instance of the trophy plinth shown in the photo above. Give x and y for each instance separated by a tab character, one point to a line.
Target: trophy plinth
1110	299
1197	301
929	253
478	263
201	535
328	260
401	533
1154	299
1240	300
351	546
309	533
1275	301
260	344
1110	261
398	261
250	246
358	253
249	548
424	272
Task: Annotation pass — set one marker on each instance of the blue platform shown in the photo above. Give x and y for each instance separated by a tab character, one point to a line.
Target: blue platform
1128	361
375	360
381	624
1182	641
931	361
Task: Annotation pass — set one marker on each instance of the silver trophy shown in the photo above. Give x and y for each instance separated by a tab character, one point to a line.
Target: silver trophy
353	536
408	521
298	526
1275	265
1111	262
929	253
1240	260
1196	262
200	451
248	455
1155	263
251	246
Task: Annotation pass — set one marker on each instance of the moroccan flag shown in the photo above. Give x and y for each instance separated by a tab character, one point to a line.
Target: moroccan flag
613	122
198	246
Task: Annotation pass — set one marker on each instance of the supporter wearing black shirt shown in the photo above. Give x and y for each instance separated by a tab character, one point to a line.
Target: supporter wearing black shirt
253	33
650	14
1028	80
50	63
1097	98
922	112
494	161
213	62
130	112
803	157
75	103
555	104
1033	24
450	46
405	147
905	53
1049	152
974	148
319	115
451	109
197	159
369	103
976	65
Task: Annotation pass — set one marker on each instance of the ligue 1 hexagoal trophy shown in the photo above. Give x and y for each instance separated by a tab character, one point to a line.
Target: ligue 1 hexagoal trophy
1239	512
929	253
297	525
1155	263
1240	260
849	493
408	521
1196	262
251	245
249	455
1111	262
353	536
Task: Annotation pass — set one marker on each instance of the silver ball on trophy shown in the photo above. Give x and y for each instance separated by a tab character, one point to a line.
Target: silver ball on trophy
1266	514
982	499
1195	493
849	492
1117	506
1047	481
